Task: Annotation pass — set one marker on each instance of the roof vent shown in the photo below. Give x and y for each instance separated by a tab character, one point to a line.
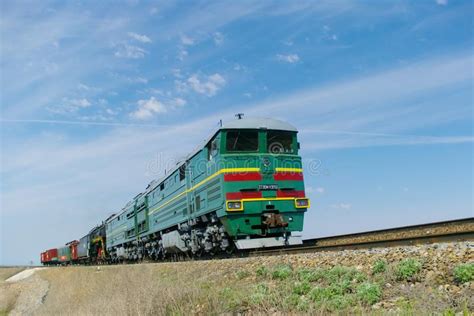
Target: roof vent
239	116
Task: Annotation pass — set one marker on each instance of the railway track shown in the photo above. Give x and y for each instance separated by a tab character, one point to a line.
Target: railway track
447	231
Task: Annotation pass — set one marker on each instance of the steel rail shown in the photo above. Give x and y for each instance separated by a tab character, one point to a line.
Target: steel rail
424	237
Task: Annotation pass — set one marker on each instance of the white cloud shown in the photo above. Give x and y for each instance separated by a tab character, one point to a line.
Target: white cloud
208	86
310	189
176	73
110	112
72	105
138	80
148	108
218	38
130	51
320	190
182	53
442	2
82	86
180	86
178	102
80	103
140	38
186	40
153	91
342	206
290	58
69	105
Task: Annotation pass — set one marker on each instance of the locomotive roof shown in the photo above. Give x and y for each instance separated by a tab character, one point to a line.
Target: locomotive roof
259	123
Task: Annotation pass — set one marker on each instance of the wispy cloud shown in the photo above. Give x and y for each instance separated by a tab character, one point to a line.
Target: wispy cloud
81	103
182	54
130	51
70	105
320	190
186	40
218	38
290	58
310	190
140	38
138	80
342	206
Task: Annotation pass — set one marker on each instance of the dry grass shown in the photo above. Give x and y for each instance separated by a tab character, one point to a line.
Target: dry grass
5	273
134	289
9	292
234	286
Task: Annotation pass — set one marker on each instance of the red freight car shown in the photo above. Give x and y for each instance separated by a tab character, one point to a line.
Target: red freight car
73	246
49	256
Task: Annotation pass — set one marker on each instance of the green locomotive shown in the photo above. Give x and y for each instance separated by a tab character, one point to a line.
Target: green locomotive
243	189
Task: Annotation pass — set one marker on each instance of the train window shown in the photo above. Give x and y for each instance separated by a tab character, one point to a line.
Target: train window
198	203
279	142
212	149
142	226
242	141
162	186
182	172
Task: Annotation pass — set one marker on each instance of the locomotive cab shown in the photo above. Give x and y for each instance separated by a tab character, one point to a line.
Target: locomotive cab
263	183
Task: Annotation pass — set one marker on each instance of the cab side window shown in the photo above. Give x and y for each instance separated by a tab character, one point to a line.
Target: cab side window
212	149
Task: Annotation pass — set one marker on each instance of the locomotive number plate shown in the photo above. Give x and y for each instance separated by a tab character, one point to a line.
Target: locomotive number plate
266	187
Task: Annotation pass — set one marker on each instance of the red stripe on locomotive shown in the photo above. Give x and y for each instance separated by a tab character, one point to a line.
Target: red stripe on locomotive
295	176
243	195
290	193
243	176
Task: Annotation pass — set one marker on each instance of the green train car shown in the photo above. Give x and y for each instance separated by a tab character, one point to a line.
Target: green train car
64	254
243	189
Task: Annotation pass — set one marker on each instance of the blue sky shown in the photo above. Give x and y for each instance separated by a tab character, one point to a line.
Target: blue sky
97	99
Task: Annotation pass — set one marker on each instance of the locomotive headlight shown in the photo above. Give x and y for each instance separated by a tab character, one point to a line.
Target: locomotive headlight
301	203
234	206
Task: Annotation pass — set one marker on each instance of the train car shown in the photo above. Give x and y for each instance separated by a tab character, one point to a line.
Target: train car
64	255
83	249
49	257
73	250
242	189
97	244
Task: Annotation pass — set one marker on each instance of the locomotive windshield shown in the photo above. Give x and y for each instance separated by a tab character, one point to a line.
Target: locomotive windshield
280	142
242	141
